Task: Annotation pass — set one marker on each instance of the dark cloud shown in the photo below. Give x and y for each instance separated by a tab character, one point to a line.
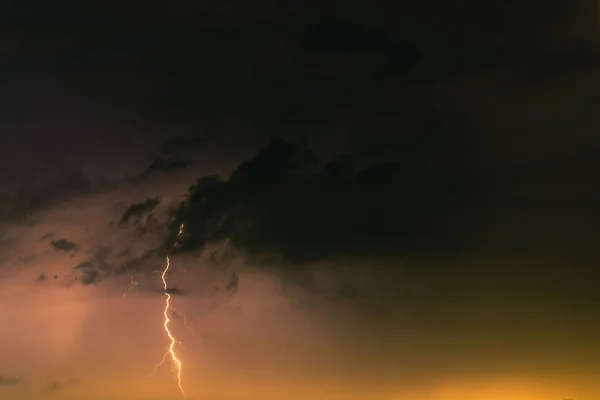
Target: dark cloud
53	386
89	274
63	245
90	277
10	380
93	270
101	258
145	263
221	257
281	201
175	291
84	265
233	283
137	210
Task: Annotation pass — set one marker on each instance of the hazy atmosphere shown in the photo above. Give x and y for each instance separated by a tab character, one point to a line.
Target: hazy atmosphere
302	200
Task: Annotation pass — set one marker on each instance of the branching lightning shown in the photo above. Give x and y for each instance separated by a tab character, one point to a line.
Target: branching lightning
178	313
132	285
173	341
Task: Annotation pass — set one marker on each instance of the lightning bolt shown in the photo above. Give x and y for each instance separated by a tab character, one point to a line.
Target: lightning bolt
173	341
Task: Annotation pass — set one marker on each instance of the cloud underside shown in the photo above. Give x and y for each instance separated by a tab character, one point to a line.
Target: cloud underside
282	201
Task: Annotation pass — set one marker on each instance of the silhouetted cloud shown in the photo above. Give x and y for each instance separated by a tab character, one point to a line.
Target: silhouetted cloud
281	201
63	245
175	291
84	265
90	276
140	263
91	271
233	283
10	380
137	210
53	386
101	258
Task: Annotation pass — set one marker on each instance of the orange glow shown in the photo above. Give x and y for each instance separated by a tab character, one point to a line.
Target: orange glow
501	388
173	340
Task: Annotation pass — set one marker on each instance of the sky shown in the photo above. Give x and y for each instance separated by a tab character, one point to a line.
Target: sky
377	203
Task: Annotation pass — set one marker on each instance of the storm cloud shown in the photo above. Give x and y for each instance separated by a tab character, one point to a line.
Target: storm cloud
282	201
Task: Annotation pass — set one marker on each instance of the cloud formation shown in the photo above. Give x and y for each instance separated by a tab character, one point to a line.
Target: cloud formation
10	380
282	201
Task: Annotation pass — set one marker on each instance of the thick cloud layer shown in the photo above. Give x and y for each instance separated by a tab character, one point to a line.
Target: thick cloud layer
284	202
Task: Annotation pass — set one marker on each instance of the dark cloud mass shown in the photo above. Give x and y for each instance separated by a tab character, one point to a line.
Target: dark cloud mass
283	201
89	275
137	210
63	245
10	380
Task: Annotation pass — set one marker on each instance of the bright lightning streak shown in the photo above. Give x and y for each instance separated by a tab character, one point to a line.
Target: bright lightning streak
173	340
